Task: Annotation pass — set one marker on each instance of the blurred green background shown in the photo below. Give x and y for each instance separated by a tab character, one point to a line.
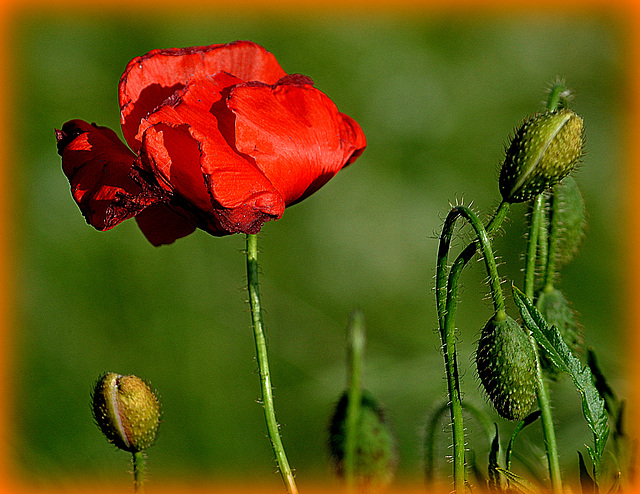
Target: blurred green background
437	95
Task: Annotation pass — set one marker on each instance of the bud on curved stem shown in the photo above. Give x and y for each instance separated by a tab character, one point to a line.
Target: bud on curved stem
506	365
446	302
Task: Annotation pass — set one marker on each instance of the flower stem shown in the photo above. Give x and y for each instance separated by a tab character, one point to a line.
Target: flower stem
547	426
558	96
263	365
446	299
532	245
138	472
355	344
552	242
543	394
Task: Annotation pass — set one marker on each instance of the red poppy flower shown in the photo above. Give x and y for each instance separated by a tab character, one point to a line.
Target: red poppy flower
220	138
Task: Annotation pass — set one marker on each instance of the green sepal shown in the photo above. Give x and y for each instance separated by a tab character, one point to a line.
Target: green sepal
126	410
543	150
506	365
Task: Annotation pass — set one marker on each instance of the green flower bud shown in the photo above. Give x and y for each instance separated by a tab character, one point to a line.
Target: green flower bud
554	307
126	410
506	365
375	461
572	219
542	152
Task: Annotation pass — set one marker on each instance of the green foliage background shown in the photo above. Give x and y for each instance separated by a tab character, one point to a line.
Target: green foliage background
437	95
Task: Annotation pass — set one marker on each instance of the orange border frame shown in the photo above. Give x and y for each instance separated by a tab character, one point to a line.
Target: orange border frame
630	9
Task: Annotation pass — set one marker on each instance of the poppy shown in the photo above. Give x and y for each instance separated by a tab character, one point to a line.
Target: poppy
219	138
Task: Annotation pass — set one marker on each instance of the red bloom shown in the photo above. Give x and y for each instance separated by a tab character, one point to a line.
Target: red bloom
222	138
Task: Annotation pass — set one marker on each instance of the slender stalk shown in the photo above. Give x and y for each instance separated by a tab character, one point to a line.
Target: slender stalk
138	472
446	299
355	345
548	429
263	365
553	243
532	245
558	95
541	388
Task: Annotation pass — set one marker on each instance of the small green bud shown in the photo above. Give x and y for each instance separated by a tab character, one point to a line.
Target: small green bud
506	365
126	410
572	219
542	152
375	460
554	307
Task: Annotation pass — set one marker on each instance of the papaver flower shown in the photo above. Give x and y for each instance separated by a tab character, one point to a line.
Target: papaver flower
219	137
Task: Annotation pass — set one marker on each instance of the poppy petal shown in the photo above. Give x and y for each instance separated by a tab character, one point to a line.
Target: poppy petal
161	225
186	148
151	78
98	166
295	133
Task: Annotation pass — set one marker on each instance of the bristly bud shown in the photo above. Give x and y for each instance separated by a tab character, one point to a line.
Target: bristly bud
126	410
542	152
555	309
506	365
375	459
572	220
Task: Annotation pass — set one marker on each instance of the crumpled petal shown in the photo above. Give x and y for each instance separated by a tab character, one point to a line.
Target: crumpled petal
151	78
184	141
162	225
222	138
98	166
295	134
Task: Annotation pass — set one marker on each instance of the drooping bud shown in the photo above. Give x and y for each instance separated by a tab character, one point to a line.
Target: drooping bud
542	152
506	365
554	307
126	410
375	458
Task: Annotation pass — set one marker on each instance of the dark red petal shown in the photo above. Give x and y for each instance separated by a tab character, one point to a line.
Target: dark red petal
98	167
150	79
186	147
296	135
161	225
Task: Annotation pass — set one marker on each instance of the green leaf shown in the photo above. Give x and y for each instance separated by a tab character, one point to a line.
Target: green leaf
593	406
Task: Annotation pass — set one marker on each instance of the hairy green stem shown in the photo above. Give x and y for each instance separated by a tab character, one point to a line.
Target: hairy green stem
548	429
446	301
433	426
541	388
532	245
355	348
552	242
557	96
138	472
263	365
